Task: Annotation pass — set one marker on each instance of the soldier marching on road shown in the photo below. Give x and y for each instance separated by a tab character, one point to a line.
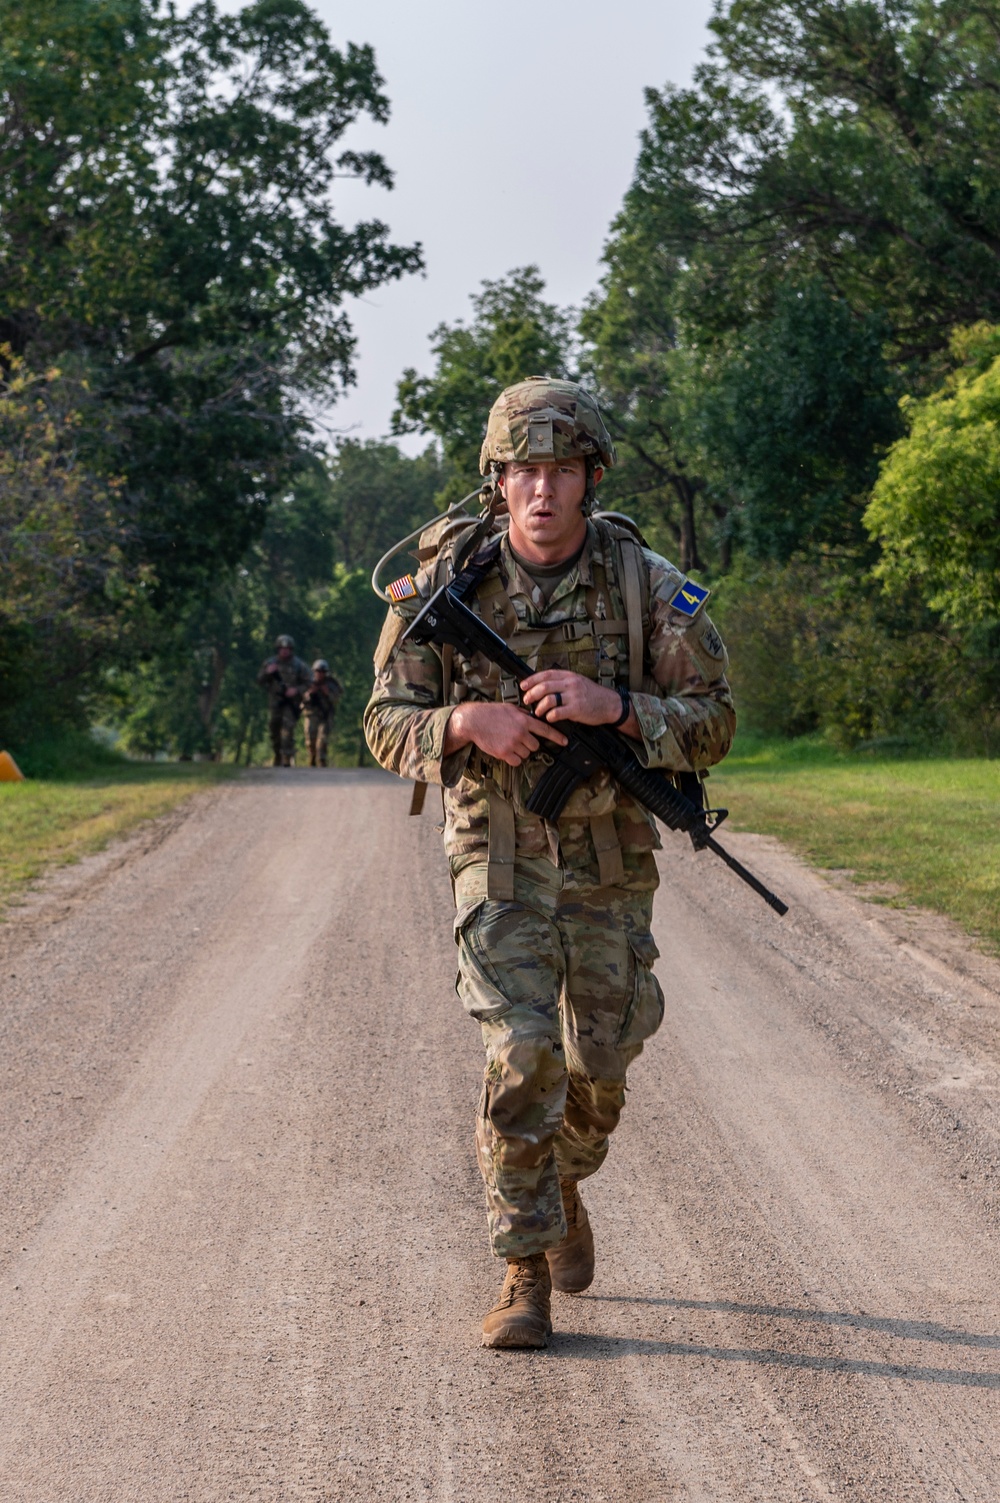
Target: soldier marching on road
286	678
554	918
320	703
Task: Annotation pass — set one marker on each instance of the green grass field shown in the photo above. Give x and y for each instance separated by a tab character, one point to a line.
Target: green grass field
926	828
57	818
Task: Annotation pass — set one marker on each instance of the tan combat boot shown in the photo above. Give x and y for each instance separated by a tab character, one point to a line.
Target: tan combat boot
571	1264
520	1317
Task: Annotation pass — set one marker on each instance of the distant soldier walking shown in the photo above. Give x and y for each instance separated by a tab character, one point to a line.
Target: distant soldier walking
286	678
320	704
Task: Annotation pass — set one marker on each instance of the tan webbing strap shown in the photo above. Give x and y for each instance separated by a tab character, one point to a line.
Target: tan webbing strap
607	848
447	653
500	852
420	789
599	610
632	563
494	601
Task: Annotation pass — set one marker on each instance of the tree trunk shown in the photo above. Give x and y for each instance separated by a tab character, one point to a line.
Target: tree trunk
208	694
690	557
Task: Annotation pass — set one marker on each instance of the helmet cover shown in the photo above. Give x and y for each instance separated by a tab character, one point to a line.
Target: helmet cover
545	419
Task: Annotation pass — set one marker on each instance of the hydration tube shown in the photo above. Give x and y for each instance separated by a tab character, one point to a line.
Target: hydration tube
453	510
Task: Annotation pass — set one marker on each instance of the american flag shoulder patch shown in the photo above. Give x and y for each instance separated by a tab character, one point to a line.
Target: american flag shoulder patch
402	589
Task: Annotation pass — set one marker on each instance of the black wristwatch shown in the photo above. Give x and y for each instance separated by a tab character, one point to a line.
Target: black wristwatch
626	700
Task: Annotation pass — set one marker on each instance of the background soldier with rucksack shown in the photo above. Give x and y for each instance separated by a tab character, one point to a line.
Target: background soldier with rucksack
286	678
553	919
320	703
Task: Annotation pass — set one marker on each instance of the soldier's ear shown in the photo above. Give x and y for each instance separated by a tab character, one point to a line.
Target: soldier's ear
598	475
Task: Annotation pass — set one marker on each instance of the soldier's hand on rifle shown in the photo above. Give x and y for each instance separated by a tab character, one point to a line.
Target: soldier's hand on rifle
505	732
557	694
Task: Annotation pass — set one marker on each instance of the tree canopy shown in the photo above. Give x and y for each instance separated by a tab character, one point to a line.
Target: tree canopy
167	218
935	507
852	140
173	277
513	333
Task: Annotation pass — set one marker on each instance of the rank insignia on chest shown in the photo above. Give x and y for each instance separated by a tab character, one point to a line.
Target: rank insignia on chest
402	589
689	598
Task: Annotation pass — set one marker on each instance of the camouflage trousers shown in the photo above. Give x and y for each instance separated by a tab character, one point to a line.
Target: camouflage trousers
317	737
560	981
282	728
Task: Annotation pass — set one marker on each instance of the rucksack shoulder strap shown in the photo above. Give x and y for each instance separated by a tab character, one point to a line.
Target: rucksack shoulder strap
634	576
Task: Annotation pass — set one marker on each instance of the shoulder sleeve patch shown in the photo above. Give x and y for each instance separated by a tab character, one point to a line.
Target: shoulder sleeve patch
712	642
392	629
402	589
689	598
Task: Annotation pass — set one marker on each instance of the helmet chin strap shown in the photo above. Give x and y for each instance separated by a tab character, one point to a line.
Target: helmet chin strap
490	493
589	502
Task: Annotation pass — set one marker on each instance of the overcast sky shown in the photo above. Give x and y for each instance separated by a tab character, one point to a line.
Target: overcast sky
513	137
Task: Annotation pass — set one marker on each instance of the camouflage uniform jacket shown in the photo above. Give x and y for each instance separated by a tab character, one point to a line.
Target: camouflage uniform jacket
321	699
684	709
291	674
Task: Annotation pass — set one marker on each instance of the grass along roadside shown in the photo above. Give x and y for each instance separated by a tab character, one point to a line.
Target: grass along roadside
922	830
47	822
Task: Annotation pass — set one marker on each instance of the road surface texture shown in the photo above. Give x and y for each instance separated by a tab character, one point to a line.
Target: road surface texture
244	1248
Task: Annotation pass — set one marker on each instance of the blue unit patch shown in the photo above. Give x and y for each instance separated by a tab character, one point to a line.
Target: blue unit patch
690	598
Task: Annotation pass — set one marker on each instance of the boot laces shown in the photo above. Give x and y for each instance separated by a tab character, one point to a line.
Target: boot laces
522	1277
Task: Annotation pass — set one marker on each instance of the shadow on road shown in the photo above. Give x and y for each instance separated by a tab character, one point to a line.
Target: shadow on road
910	1330
609	1348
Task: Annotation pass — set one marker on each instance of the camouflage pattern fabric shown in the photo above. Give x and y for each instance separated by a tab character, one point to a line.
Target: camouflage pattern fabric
292	673
281	726
560	981
560	978
317	737
319	705
544	419
685	709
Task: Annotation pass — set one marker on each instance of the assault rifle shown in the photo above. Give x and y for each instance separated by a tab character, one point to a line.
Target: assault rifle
447	621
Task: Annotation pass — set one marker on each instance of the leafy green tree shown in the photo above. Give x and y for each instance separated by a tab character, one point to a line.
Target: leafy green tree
791	421
935	508
307	574
68	592
854	141
632	358
835	158
856	665
514	333
167	215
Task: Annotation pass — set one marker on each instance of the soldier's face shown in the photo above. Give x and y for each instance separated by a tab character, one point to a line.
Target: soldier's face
284	653
544	501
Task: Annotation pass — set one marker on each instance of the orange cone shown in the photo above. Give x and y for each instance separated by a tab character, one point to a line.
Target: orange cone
9	770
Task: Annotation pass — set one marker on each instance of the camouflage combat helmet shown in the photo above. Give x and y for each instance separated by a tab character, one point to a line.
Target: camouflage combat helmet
284	641
321	663
542	418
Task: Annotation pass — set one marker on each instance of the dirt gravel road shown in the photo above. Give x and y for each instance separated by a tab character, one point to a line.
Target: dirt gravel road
243	1242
